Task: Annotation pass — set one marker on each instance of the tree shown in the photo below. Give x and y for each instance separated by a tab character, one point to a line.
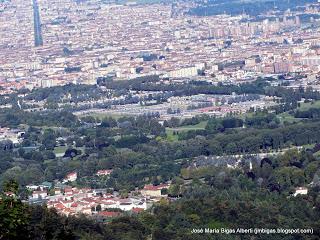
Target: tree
5	162
215	148
174	190
14	173
231	148
49	139
98	208
14	215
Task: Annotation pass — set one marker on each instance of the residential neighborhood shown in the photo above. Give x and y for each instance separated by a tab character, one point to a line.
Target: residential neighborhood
100	203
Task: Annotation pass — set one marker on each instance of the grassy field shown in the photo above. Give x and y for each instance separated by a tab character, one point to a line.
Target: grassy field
306	106
170	131
199	126
60	149
170	136
309	146
286	117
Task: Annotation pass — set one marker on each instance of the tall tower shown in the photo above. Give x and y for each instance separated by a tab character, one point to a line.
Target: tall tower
297	20
38	41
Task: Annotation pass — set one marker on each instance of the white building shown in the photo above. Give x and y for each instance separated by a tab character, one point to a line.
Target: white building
104	172
183	72
39	194
301	191
71	177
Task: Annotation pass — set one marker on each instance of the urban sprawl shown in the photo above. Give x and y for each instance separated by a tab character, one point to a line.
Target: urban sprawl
61	42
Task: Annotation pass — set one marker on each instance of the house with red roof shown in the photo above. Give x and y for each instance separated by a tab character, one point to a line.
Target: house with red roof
153	191
57	191
137	210
86	210
71	177
109	214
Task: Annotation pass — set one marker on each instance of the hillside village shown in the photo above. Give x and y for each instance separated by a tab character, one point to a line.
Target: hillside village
102	204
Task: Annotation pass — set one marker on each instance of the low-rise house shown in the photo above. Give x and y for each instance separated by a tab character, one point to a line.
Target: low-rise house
39	194
32	187
109	214
137	210
153	191
14	135
71	177
106	216
86	210
57	191
10	194
68	191
67	203
104	172
68	211
301	191
45	185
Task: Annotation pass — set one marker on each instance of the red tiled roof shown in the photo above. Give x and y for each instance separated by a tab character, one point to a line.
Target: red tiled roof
88	200
71	174
109	214
59	206
155	188
137	210
74	205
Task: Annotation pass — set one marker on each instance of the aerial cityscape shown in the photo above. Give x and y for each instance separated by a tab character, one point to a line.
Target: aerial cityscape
159	119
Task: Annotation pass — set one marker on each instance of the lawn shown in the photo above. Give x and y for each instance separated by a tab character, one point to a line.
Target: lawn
60	149
306	106
101	116
199	126
286	117
172	137
309	146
